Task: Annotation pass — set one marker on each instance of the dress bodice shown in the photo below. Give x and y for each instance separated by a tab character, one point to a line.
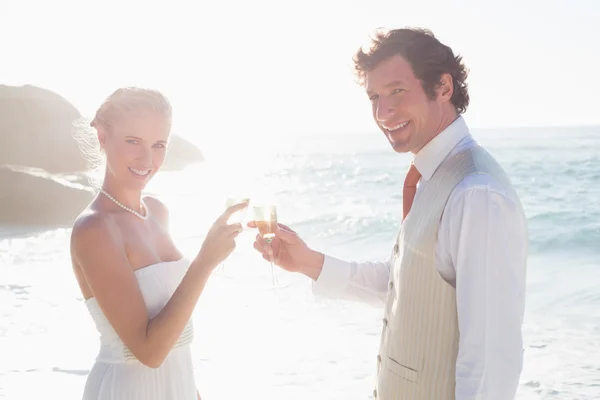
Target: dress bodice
157	283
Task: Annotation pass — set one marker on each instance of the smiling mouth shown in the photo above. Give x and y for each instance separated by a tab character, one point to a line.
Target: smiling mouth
396	127
140	172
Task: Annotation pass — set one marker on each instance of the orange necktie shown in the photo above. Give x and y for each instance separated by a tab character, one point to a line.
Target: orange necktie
410	189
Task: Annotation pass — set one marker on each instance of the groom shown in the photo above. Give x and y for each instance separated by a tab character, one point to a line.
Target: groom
453	292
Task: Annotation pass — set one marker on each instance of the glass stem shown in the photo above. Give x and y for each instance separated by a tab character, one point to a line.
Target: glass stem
273	278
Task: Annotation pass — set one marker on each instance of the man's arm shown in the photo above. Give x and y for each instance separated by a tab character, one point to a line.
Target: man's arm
365	282
487	237
331	277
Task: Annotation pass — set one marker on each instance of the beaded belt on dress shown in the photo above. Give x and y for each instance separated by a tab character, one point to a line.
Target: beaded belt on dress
186	338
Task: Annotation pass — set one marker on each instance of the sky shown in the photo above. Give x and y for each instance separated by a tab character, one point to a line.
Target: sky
269	67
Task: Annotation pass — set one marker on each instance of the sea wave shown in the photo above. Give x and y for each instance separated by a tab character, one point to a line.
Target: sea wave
360	196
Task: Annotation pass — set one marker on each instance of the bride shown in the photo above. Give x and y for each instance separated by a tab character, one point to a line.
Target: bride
137	286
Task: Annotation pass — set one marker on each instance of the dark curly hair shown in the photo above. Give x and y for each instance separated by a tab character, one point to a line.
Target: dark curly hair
428	57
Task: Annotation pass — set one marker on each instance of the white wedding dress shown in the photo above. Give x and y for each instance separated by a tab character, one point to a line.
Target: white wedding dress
117	375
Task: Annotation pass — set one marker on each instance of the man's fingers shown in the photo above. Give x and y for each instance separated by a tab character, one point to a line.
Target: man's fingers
265	247
267	257
259	248
265	253
286	228
288	236
282	231
261	240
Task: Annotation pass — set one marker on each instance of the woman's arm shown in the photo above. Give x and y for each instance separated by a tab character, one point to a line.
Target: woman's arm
99	252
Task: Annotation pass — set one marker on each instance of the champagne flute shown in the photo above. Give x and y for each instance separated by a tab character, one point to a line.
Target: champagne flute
265	218
237	217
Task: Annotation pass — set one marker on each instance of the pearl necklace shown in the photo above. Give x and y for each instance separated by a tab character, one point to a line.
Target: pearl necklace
137	214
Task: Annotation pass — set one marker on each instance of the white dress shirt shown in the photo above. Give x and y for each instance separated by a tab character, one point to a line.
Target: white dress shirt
482	251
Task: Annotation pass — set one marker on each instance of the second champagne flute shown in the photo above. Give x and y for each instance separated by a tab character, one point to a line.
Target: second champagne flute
265	218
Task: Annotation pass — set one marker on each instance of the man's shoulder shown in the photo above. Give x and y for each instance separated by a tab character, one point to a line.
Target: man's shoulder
481	181
484	188
485	173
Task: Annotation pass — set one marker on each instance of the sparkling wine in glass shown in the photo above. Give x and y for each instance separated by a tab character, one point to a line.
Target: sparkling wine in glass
265	218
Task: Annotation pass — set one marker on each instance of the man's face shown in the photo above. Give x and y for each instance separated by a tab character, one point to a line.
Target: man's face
401	108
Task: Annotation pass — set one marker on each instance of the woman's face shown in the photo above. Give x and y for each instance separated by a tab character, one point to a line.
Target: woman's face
135	148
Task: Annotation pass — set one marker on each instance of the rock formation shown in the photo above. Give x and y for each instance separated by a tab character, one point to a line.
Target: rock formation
36	143
33	197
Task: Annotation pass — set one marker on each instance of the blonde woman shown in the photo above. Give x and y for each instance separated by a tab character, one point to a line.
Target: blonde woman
139	289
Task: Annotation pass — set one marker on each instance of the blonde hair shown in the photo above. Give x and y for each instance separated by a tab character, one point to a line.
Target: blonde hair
122	103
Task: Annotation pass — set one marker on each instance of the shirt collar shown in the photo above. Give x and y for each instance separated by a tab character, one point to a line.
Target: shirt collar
429	158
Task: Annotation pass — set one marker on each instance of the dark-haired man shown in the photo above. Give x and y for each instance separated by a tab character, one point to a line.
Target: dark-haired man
454	289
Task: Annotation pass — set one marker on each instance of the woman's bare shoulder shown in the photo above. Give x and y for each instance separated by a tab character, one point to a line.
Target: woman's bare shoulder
92	220
93	228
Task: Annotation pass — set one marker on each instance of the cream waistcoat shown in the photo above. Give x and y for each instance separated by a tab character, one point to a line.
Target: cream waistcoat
419	342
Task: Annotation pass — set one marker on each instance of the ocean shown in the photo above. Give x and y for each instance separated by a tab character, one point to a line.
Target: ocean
342	194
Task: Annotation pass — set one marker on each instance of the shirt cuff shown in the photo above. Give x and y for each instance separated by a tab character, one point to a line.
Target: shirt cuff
333	279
